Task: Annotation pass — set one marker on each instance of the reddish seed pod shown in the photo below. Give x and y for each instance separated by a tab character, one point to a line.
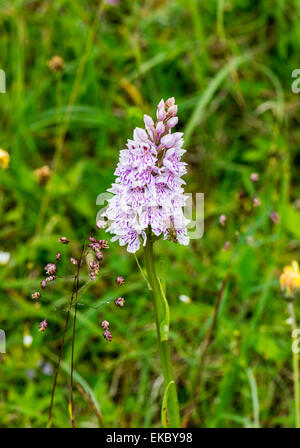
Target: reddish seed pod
107	335
95	266
120	280
36	295
64	240
50	268
43	326
95	246
99	255
120	301
51	278
103	244
105	325
274	217
43	284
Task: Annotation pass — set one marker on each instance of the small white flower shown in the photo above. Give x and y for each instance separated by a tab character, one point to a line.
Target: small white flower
27	340
4	257
185	299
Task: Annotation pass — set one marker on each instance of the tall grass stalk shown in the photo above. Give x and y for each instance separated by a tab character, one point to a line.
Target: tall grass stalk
295	366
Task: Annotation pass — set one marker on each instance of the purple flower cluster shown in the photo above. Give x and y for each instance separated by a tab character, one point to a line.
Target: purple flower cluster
148	190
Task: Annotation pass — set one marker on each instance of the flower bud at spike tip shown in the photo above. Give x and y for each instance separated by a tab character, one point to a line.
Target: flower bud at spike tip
105	325
43	326
120	280
120	301
73	261
170	102
64	240
172	111
43	284
58	256
107	335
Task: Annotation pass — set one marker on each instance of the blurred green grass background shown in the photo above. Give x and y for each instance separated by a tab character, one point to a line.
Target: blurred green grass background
228	63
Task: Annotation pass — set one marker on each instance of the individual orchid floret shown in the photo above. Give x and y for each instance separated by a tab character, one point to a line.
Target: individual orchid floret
148	194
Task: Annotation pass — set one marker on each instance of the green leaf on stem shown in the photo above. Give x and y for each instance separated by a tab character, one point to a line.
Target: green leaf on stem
165	323
164	408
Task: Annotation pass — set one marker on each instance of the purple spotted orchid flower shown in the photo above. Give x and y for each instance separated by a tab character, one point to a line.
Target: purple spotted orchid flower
148	192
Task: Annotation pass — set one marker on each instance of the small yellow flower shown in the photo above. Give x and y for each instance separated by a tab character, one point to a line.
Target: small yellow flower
4	159
290	280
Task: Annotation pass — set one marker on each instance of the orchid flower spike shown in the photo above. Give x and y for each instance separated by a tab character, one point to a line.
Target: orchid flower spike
148	190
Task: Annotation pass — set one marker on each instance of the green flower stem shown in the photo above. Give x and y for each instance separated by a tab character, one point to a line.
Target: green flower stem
162	325
295	367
